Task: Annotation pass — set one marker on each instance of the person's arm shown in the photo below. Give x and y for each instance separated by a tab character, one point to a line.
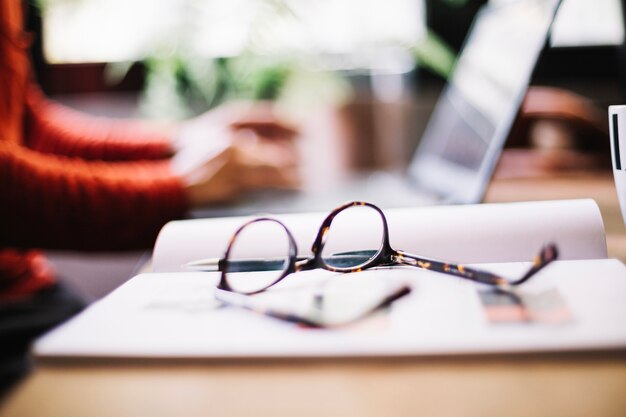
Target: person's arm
66	203
53	128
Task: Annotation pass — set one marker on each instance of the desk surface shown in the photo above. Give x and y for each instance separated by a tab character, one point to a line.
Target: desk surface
539	385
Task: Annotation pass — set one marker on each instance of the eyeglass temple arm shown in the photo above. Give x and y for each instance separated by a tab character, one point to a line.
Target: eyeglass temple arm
207	264
245	302
547	254
240	265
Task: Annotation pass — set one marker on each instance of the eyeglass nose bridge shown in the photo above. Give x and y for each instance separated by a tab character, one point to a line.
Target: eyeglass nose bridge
304	264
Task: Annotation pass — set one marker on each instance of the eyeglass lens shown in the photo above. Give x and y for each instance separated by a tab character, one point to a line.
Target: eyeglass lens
354	237
262	246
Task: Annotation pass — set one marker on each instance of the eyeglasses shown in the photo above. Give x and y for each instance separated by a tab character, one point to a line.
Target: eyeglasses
352	238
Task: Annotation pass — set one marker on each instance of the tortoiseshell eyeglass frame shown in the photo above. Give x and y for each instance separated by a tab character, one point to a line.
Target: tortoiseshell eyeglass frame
385	256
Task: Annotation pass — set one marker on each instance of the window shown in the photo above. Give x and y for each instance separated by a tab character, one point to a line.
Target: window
588	23
81	31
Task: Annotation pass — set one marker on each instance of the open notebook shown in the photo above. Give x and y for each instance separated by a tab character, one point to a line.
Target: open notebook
577	302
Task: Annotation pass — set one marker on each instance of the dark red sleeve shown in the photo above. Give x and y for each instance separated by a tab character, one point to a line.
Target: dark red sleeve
67	203
53	128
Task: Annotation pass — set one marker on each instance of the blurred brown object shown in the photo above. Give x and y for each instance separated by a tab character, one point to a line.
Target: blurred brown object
556	131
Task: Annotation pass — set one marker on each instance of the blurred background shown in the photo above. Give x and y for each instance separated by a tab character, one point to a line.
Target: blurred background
383	62
360	77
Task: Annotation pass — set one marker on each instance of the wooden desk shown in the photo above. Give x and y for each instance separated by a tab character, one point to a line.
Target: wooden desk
581	384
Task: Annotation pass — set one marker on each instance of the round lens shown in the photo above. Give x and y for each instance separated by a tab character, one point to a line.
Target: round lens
258	256
354	238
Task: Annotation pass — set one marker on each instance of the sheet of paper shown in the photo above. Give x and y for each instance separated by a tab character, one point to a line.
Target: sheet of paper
173	315
508	232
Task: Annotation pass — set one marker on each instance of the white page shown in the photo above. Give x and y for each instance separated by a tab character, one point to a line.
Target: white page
482	233
173	315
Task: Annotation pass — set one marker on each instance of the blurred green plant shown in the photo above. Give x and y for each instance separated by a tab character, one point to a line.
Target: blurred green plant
180	83
434	53
194	84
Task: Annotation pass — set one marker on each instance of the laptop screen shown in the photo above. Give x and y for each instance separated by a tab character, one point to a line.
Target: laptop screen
474	114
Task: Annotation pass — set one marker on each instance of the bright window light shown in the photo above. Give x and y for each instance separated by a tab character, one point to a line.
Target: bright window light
122	30
588	23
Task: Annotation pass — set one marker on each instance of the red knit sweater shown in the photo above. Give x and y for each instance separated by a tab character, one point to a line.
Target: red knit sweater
68	180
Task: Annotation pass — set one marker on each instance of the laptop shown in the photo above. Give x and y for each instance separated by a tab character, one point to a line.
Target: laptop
464	137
